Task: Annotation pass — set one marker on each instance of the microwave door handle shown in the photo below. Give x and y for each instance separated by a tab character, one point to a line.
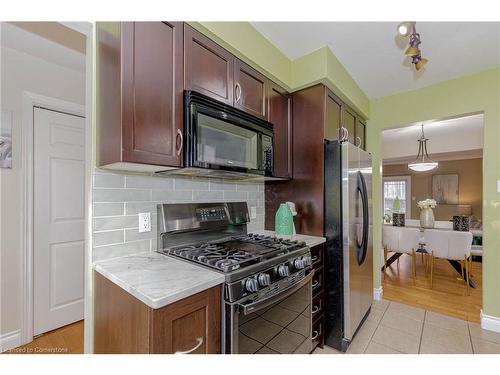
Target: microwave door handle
181	141
252	307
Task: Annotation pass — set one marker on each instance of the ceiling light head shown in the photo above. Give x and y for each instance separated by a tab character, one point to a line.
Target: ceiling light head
412	51
405	28
421	63
423	163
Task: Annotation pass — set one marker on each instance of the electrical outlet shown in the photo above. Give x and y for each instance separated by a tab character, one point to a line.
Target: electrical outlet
253	212
145	222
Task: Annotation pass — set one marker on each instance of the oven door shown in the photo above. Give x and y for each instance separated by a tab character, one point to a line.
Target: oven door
220	137
278	324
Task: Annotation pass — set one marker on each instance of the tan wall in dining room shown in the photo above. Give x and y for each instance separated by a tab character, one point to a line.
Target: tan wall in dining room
470	186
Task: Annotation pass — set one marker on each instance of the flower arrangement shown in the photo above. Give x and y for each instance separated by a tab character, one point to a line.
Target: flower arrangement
427	203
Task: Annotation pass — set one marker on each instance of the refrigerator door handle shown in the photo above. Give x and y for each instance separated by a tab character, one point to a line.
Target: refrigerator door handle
362	247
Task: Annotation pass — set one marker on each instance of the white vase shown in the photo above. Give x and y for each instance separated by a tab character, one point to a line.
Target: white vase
427	218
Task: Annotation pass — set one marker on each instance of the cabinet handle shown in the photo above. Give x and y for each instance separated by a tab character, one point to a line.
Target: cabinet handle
315	309
200	342
237	91
358	141
315	335
179	135
315	283
314	258
343	134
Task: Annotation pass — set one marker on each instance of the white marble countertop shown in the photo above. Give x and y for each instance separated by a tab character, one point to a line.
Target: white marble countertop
156	279
310	241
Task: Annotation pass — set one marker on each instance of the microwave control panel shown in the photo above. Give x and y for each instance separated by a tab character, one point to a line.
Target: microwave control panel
267	153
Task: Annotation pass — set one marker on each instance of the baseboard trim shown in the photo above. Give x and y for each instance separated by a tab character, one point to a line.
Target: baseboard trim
378	293
491	323
10	340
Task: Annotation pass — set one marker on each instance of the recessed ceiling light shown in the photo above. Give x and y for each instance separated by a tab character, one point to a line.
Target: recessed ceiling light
404	28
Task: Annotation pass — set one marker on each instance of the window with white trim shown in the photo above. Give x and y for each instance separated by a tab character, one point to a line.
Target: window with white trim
397	186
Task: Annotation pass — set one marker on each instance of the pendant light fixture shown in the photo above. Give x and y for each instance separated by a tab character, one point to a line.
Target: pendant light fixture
423	163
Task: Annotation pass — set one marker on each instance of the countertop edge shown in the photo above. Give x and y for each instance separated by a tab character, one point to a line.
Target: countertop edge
161	302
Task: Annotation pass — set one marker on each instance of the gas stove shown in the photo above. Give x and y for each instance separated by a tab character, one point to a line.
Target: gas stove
261	272
236	252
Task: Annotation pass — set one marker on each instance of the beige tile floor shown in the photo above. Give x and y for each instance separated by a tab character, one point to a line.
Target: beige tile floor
394	328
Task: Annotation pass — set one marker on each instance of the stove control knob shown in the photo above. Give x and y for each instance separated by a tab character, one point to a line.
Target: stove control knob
264	279
283	270
299	263
307	260
251	285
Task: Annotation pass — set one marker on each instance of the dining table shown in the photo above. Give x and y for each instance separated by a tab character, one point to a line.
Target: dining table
422	250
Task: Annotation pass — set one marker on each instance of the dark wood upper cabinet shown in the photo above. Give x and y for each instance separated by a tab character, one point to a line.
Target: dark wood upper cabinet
139	93
208	67
250	89
349	121
123	324
333	116
279	113
360	133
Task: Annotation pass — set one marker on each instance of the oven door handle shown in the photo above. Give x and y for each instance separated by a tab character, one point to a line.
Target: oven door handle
249	308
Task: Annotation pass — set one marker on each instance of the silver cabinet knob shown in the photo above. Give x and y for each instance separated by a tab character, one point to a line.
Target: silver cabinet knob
264	279
251	285
283	270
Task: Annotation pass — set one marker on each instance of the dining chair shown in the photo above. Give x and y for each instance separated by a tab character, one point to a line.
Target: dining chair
409	239
450	245
390	242
460	245
401	240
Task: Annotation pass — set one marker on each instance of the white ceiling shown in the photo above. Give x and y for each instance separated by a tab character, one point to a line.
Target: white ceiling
374	55
448	139
19	38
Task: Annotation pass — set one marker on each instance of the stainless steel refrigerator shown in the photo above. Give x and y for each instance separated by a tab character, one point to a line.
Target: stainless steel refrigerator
348	248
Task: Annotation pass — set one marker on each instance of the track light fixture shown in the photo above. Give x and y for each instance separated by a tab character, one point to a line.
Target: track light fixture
408	29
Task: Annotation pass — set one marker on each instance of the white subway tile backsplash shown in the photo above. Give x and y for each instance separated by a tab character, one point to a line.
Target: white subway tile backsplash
108	237
119	250
235	196
108	209
119	198
208	196
121	195
108	180
148	182
116	222
183	183
172	196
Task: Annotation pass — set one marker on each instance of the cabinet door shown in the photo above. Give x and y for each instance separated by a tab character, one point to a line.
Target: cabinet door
333	116
361	133
250	89
152	92
208	68
349	121
191	325
280	115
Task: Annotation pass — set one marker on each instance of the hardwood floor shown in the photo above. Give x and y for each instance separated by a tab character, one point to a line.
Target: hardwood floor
64	340
448	295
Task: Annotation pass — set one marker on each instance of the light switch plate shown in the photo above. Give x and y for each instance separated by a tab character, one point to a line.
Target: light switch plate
253	212
145	222
498	186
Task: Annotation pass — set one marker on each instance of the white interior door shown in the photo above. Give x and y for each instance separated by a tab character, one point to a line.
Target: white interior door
58	221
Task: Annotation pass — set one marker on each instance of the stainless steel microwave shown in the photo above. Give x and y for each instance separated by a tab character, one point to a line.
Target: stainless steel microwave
222	141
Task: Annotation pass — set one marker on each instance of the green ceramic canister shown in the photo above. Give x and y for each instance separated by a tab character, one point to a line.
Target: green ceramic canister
284	220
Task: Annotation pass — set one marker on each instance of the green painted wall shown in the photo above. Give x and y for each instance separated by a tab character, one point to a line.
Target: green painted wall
244	41
475	93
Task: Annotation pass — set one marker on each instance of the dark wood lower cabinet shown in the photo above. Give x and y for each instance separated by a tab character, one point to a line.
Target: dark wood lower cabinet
318	301
123	324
